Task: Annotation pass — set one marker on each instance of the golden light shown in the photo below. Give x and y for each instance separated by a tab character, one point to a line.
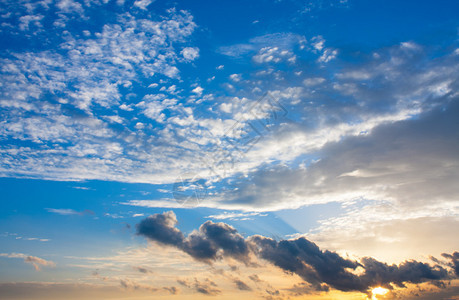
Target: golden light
378	291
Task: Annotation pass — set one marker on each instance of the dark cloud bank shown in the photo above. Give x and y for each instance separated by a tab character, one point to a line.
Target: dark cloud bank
320	268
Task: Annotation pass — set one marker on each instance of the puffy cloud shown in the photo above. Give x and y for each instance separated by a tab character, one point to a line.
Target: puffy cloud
89	146
190	53
235	77
143	4
273	54
211	241
328	55
198	90
72	103
323	269
161	227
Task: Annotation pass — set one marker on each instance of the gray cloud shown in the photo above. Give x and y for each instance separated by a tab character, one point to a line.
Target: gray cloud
410	161
241	285
206	287
454	261
210	242
161	228
322	269
142	270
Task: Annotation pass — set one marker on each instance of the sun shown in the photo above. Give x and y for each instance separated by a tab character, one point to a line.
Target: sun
378	291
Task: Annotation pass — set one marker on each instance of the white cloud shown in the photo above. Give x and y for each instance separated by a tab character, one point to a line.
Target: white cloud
70	6
198	90
25	21
409	46
190	53
318	43
328	55
274	54
235	77
313	81
235	216
283	41
63	211
142	4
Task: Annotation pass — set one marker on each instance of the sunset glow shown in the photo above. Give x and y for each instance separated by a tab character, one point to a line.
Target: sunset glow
378	291
230	149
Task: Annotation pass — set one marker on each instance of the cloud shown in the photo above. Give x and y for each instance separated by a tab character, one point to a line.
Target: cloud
142	270
366	166
235	77
198	90
161	228
190	53
242	286
323	269
454	261
25	21
235	216
281	41
213	238
60	89
143	4
211	241
328	55
37	262
70	6
273	54
133	285
179	139
255	278
206	287
172	290
68	211
313	81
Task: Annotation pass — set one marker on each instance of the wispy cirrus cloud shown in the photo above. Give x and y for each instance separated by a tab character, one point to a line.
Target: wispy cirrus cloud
69	211
37	262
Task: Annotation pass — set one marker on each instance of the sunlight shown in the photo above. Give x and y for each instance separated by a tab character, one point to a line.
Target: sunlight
378	291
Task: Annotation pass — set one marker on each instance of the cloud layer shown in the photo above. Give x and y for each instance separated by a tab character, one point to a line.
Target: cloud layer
322	269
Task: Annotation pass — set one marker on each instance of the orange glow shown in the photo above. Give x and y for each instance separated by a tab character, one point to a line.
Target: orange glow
378	291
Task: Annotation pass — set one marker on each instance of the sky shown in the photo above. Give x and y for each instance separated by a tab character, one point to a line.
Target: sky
263	149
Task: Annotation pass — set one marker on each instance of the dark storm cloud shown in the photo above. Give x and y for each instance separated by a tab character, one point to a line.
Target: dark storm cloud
317	267
161	228
322	269
378	273
206	244
304	258
454	261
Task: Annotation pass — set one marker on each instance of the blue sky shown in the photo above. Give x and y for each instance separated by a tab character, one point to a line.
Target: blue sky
127	123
